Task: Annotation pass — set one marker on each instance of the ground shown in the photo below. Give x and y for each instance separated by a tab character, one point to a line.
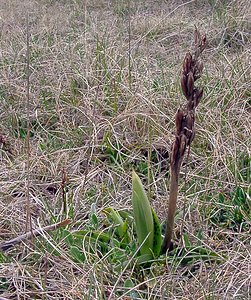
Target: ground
104	88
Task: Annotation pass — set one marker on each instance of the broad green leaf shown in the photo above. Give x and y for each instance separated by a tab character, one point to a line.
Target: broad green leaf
94	234
97	236
143	217
145	259
92	245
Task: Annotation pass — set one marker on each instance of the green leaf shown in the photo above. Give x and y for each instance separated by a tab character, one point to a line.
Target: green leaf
22	133
76	254
93	245
126	215
93	215
221	198
187	243
199	236
130	285
4	284
157	239
3	258
145	259
98	237
67	237
42	146
188	256
103	237
121	225
94	220
143	217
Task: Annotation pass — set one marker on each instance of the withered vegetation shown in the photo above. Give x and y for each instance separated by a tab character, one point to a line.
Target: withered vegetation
185	129
103	99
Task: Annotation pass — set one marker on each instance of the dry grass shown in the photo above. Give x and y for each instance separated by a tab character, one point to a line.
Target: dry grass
87	108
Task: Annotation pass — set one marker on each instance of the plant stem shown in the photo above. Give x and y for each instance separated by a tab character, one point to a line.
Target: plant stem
174	185
129	46
28	223
185	132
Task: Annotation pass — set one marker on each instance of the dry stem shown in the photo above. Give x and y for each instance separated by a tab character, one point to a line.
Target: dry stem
184	121
28	224
8	244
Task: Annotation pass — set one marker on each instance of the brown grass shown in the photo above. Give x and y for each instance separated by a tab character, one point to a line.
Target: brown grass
82	106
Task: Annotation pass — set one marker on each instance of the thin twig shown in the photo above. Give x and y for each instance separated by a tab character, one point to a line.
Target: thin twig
63	190
28	224
129	45
35	232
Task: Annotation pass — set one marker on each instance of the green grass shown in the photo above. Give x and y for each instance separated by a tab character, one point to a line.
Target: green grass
97	118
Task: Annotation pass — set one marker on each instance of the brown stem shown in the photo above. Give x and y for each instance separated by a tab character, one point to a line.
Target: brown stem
35	232
184	122
171	210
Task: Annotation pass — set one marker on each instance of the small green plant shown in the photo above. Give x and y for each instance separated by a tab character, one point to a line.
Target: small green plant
3	284
127	238
113	151
135	235
232	210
